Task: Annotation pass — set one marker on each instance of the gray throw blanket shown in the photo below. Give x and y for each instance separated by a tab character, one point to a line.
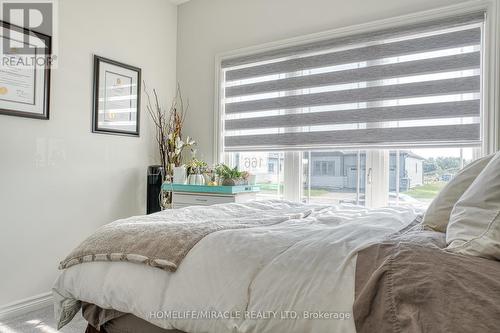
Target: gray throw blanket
410	284
163	240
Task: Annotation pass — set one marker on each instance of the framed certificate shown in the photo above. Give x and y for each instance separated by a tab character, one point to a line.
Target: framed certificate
24	72
117	97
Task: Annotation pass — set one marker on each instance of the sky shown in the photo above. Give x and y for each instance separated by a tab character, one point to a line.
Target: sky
444	152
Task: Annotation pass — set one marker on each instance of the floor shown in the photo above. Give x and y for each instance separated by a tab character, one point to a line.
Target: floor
41	321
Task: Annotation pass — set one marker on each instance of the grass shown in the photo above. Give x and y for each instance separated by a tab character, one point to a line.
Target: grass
317	192
274	188
427	191
269	188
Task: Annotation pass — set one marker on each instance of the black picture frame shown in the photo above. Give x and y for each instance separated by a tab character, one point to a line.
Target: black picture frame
98	60
46	81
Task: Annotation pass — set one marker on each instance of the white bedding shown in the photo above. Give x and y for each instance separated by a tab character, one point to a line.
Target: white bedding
303	266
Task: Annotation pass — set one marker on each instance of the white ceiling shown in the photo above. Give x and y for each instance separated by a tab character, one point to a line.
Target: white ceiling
178	2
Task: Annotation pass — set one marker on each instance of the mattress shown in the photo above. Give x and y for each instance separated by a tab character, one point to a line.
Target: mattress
295	276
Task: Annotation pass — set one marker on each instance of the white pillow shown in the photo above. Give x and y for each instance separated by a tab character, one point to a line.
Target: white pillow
438	214
474	226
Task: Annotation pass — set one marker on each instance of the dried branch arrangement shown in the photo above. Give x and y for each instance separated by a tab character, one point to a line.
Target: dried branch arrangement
169	130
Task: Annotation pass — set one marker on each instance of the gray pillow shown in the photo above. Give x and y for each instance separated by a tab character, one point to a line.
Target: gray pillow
474	226
438	213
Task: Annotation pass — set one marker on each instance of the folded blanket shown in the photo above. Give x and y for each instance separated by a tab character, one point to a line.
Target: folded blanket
163	239
410	284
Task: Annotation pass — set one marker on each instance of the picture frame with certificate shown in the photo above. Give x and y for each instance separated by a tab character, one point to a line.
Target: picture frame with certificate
24	72
117	98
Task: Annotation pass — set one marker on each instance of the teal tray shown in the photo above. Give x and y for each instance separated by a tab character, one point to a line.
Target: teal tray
210	189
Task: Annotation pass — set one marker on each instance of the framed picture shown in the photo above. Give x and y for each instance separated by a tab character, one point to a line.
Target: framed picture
24	72
117	98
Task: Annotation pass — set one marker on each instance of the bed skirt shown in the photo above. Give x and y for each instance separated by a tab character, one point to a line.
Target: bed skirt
112	321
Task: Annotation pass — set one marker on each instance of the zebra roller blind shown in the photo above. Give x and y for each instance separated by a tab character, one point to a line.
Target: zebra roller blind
412	86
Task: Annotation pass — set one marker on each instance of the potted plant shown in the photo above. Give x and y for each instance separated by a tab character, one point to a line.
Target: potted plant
168	134
168	125
230	176
196	169
210	177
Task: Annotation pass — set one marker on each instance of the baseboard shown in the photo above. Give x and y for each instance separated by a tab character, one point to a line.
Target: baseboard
25	305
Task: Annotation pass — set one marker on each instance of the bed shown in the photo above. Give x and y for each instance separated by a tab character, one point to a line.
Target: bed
278	266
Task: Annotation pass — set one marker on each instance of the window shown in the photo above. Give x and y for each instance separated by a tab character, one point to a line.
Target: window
324	168
343	186
267	167
317	168
360	119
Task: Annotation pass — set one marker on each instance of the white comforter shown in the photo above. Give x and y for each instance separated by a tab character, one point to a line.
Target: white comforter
282	278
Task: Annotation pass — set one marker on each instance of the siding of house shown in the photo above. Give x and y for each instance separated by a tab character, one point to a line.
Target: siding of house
343	176
414	170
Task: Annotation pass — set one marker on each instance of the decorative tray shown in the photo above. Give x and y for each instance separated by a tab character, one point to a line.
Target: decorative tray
210	189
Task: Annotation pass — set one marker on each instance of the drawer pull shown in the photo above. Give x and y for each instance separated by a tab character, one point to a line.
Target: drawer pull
201	200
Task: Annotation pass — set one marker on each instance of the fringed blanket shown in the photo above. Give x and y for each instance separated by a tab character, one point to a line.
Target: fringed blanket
163	239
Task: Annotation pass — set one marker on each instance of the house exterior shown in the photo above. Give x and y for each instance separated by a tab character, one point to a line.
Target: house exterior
335	170
338	170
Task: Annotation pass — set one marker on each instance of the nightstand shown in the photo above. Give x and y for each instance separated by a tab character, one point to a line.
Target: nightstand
203	195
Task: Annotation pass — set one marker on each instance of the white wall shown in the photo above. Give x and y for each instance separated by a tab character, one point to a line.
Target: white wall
208	27
58	181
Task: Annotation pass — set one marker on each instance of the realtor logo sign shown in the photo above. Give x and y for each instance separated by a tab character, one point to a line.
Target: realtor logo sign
32	16
28	30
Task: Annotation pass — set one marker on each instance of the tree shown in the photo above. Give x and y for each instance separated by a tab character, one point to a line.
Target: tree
441	165
429	165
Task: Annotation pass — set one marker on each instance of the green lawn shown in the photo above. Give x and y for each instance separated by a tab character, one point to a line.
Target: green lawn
269	188
274	187
317	192
427	191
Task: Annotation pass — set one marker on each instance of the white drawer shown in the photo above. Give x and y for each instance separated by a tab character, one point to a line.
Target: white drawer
178	205
187	199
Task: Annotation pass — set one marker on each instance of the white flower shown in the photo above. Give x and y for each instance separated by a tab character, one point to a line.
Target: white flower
179	142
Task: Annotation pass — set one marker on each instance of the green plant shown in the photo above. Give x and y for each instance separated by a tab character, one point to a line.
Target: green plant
196	165
226	172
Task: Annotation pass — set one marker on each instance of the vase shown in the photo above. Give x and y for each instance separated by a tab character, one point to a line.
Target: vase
228	182
252	180
232	181
196	179
207	177
180	176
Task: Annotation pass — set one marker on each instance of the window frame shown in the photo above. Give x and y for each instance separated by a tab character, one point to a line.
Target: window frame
490	113
490	63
